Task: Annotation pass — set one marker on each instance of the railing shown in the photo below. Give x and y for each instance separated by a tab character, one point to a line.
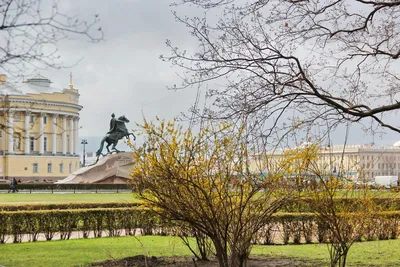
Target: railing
73	188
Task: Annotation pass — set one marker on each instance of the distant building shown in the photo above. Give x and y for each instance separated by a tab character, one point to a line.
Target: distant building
90	158
39	136
362	161
353	161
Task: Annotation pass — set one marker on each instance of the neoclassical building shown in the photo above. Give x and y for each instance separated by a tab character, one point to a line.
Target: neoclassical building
39	136
352	161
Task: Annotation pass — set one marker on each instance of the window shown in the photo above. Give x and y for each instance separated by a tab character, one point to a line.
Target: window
32	143
49	167
45	119
35	167
61	167
45	144
70	167
32	118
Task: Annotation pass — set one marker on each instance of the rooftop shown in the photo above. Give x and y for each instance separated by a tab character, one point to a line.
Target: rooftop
36	85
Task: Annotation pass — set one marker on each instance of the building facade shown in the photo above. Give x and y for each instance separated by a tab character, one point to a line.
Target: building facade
354	162
362	162
39	137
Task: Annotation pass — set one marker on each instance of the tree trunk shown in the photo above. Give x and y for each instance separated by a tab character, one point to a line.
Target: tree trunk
221	254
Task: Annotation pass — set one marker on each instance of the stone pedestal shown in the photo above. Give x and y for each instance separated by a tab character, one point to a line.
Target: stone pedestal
112	169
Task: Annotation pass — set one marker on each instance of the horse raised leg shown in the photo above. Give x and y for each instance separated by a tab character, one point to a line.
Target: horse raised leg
127	136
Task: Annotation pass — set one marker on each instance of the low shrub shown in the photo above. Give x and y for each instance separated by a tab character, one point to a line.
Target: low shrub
294	227
64	222
304	204
68	206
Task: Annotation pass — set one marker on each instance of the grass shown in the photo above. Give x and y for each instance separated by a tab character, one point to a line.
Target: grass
23	198
64	198
378	253
83	251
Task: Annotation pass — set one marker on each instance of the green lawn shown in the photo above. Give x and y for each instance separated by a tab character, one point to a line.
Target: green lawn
378	253
83	251
20	198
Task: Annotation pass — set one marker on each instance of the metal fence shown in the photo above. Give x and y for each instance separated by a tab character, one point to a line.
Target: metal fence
72	188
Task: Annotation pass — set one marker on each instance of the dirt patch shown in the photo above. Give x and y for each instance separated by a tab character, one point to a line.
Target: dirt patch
142	261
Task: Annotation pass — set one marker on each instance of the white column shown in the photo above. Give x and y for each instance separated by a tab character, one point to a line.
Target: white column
41	133
3	133
27	147
71	135
10	131
54	135
76	142
64	134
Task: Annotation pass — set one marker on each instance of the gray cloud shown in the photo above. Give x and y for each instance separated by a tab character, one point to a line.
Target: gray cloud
124	74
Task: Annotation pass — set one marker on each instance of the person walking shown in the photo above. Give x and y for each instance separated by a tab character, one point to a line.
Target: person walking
13	185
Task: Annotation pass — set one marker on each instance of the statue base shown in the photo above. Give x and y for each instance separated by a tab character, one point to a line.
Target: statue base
111	169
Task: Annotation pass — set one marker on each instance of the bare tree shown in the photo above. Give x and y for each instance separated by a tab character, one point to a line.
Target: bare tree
30	31
345	212
327	62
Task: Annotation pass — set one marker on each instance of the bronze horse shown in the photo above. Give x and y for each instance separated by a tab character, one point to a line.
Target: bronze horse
118	132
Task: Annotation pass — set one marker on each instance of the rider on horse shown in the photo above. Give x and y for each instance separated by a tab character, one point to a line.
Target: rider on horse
112	123
117	131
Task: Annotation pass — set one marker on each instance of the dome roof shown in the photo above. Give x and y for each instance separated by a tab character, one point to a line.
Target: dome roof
36	85
397	144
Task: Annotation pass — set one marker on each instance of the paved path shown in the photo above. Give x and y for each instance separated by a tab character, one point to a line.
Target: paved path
74	235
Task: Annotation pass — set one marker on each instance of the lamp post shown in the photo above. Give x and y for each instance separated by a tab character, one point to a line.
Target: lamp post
84	142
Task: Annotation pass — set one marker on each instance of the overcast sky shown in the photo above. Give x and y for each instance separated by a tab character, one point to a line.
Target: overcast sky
124	74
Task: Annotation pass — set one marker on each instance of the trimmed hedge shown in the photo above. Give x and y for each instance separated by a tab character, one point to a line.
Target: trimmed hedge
49	222
305	204
302	205
65	206
291	227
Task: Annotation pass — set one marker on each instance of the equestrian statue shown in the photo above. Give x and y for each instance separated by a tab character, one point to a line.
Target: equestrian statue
117	131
